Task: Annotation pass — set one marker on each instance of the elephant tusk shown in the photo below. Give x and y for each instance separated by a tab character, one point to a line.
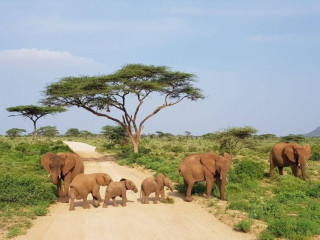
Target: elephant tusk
49	175
59	176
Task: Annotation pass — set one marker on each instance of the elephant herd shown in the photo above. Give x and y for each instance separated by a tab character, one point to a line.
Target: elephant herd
209	167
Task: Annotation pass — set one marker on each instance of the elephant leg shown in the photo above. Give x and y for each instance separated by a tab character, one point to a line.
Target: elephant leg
96	196
271	168
106	199
124	198
189	198
295	170
209	188
147	198
63	195
157	193
144	197
85	202
280	170
162	194
221	186
114	202
72	197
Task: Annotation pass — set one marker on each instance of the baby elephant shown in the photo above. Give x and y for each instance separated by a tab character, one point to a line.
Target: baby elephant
119	189
83	184
151	184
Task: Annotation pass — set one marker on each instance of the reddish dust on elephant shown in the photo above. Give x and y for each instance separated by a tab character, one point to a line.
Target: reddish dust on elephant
83	184
62	167
209	167
290	154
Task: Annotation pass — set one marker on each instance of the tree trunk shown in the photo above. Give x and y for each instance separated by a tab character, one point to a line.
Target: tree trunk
135	146
35	132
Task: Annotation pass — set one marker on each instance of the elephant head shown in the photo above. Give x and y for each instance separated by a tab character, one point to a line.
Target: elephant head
163	180
57	165
103	179
298	155
130	185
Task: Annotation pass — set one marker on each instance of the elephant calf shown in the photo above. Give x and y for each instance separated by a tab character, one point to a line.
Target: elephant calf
120	188
156	185
83	184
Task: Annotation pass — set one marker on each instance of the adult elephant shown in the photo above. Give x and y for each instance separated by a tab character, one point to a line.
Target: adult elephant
290	154
62	167
209	167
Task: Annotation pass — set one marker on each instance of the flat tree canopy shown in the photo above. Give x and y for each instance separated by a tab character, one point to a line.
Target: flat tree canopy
34	113
103	94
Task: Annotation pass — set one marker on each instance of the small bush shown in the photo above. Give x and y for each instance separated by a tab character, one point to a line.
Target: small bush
315	156
244	225
249	168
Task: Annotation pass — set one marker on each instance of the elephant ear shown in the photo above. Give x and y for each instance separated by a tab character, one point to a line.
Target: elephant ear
289	152
128	184
101	180
308	150
69	162
209	160
160	179
45	161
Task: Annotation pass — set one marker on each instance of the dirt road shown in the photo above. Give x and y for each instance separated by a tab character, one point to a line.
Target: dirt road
181	220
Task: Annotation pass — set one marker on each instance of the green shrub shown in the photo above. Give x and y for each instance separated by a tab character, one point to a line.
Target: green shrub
315	156
244	225
249	168
24	190
293	228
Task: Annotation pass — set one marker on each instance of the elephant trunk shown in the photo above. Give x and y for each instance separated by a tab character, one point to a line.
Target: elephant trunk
55	178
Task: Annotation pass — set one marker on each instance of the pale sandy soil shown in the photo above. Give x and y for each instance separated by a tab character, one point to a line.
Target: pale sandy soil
181	220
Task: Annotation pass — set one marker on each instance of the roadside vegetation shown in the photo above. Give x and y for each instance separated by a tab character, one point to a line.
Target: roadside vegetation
289	206
25	189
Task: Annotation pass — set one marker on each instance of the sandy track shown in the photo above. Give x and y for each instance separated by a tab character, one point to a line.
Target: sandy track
180	220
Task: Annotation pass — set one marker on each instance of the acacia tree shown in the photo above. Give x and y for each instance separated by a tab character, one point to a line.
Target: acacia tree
34	113
107	95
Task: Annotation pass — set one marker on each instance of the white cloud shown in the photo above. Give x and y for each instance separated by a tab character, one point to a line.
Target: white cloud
39	59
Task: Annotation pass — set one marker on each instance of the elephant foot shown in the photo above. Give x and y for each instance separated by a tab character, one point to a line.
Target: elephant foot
71	209
104	205
155	202
208	196
189	199
86	207
116	205
96	204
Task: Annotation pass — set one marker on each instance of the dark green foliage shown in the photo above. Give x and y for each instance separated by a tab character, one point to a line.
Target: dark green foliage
48	131
248	169
315	156
24	190
293	138
117	134
233	139
15	132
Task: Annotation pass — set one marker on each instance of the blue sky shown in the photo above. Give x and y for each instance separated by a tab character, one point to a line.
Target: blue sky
258	62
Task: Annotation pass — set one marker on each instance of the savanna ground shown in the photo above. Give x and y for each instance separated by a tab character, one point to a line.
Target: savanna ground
280	207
